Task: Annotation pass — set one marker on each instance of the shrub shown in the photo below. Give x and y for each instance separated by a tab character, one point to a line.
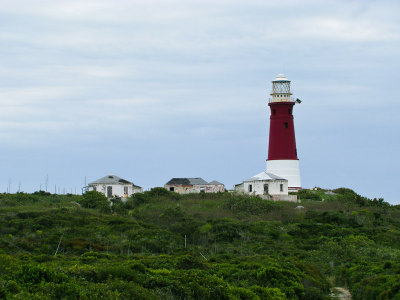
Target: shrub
158	191
305	194
189	262
42	193
34	274
136	200
285	279
226	229
94	199
268	293
243	294
249	204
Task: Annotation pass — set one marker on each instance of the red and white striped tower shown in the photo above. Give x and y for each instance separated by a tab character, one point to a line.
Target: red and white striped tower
282	153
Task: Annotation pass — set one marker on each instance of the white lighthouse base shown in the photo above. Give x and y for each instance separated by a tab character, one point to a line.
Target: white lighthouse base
288	169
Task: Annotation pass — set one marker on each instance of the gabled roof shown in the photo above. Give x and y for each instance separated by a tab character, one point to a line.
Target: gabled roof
111	179
214	182
265	176
188	181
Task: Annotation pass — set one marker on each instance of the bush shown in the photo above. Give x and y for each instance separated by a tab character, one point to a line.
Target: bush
136	200
243	294
189	262
42	193
227	229
158	191
268	293
94	199
305	194
35	274
250	204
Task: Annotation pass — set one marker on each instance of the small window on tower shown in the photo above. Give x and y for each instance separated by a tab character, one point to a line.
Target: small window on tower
281	187
274	112
289	111
250	188
286	124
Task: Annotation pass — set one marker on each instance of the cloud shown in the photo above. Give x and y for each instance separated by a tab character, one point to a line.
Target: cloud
148	80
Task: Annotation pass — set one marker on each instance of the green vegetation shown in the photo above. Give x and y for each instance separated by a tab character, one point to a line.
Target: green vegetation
237	247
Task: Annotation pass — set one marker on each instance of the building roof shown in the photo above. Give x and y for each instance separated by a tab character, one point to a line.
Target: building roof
265	176
214	182
187	181
281	77
111	179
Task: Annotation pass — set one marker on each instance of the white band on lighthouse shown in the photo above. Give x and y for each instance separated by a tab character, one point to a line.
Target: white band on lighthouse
288	169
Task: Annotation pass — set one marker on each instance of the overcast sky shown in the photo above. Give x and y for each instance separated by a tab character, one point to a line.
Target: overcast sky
151	90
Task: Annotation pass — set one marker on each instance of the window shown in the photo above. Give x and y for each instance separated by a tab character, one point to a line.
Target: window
274	112
266	189
125	190
171	189
281	187
286	124
289	111
250	188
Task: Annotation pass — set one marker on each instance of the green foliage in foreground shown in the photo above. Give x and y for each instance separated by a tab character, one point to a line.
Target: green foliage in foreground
237	247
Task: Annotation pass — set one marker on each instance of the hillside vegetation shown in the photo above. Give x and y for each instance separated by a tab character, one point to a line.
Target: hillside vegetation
161	245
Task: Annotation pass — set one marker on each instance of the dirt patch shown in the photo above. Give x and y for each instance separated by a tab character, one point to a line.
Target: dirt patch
340	293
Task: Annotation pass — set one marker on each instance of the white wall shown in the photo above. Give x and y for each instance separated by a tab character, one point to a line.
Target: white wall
274	187
288	169
117	189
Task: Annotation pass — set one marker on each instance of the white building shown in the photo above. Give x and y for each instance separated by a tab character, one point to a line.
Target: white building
193	185
267	186
114	186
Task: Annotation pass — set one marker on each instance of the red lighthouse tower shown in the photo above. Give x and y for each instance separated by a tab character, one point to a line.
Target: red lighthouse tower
282	153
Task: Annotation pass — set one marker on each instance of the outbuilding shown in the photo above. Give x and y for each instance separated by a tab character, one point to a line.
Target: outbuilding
113	186
193	185
266	185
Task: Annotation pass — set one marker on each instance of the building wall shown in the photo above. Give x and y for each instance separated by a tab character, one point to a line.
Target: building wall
288	169
215	188
190	189
239	188
282	141
257	187
117	189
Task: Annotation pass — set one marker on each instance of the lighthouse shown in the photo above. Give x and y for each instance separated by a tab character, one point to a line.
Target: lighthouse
282	152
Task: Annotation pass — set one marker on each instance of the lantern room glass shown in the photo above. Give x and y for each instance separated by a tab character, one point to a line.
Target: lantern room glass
280	87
